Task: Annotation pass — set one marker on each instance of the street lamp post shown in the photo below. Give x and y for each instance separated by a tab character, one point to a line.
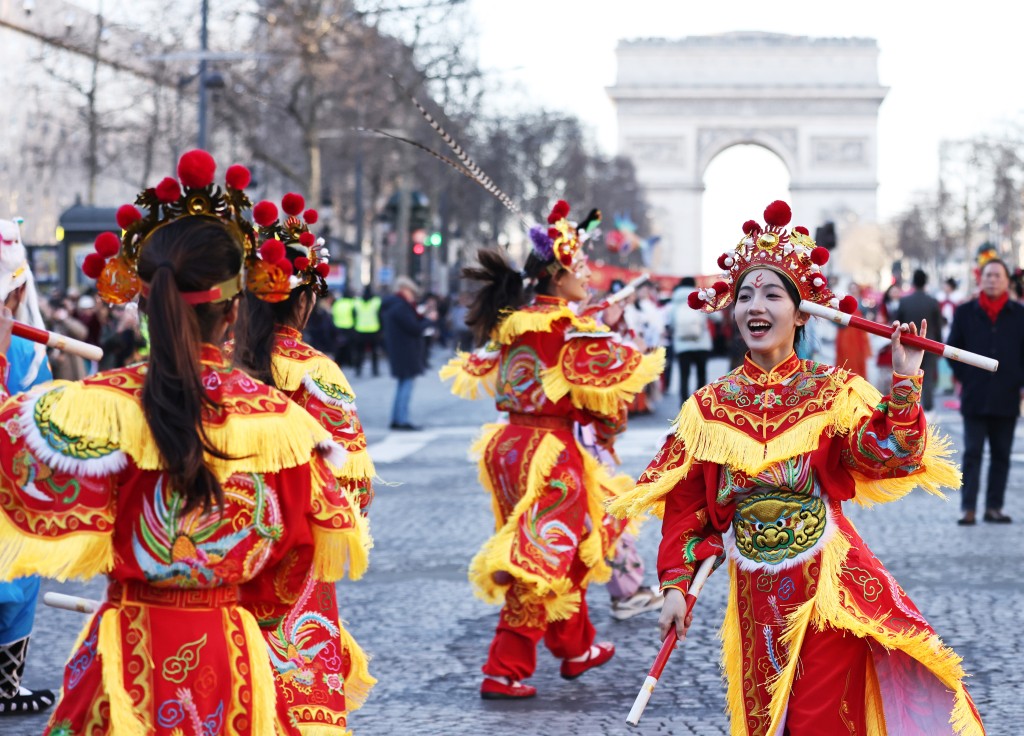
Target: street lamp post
203	48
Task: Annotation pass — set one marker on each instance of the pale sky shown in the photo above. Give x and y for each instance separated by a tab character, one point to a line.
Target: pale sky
953	71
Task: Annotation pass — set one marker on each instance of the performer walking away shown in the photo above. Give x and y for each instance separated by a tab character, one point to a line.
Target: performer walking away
27	367
547	368
321	673
818	637
186	483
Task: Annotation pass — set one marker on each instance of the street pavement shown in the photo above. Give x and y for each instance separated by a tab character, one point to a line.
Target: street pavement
415	614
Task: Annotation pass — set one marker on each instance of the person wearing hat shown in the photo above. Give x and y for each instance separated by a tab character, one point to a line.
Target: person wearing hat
818	637
403	327
549	368
201	494
27	367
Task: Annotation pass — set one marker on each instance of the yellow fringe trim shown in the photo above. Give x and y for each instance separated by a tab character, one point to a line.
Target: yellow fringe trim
315	729
264	691
826	610
125	718
522	321
289	372
559	601
467	385
336	551
78	555
732	658
604	400
359	681
260	443
358	466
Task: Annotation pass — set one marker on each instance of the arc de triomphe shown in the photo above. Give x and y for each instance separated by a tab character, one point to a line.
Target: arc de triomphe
812	101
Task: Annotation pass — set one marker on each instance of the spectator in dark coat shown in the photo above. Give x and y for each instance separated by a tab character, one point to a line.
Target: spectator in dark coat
915	307
403	329
992	325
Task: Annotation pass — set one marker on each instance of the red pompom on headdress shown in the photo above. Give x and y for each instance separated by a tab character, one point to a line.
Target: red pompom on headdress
293	204
196	169
310	216
127	215
778	214
848	304
558	212
819	256
93	265
307	239
237	176
107	244
750	227
168	190
264	213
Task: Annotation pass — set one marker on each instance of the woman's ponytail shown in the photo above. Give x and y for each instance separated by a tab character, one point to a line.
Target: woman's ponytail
502	290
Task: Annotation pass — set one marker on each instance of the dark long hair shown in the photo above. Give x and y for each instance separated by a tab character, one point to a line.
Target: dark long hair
794	295
258	321
191	254
503	289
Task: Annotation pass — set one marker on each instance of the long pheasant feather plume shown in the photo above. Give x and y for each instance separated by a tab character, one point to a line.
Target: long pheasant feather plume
466	163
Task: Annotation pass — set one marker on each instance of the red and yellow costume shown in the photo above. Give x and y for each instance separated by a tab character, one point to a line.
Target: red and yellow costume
172	650
547	368
321	672
818	637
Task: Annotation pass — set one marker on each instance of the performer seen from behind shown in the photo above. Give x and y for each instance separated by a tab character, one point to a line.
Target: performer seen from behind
818	637
27	367
548	368
188	484
320	671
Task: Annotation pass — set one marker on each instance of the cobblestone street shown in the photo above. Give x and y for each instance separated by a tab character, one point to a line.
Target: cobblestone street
415	614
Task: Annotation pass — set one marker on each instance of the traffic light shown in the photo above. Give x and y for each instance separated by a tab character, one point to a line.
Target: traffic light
434	241
418	237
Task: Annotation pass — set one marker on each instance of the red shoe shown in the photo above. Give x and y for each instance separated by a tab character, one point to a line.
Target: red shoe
596	656
504	688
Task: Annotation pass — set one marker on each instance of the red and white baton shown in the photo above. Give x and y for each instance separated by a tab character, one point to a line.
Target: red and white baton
914	341
53	340
667	646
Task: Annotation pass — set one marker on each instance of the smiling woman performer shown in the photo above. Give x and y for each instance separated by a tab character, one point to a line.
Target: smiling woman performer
818	637
547	368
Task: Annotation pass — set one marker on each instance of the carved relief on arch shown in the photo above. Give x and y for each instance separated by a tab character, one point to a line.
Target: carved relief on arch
779	140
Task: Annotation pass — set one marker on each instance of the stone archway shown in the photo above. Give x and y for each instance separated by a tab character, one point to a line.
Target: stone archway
811	101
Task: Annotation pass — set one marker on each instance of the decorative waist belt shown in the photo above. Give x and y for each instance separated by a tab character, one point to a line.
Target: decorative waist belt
134	591
779	527
541	421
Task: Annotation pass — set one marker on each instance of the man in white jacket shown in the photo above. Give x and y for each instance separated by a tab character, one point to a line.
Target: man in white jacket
691	338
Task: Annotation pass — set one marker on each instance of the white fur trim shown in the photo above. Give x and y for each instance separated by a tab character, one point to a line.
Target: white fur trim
96	467
333	453
313	388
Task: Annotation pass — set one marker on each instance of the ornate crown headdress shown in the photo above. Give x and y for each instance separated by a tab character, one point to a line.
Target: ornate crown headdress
270	274
792	254
115	262
560	245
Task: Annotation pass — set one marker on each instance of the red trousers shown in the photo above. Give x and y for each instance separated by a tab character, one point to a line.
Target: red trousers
522	624
829	691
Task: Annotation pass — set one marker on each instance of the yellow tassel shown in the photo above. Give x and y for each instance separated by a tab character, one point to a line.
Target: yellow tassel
603	400
125	718
649	497
358	466
264	691
257	443
315	729
732	658
289	372
334	551
78	555
521	321
467	385
359	681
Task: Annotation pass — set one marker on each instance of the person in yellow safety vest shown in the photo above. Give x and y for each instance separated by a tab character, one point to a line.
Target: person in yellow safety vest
367	330
344	314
